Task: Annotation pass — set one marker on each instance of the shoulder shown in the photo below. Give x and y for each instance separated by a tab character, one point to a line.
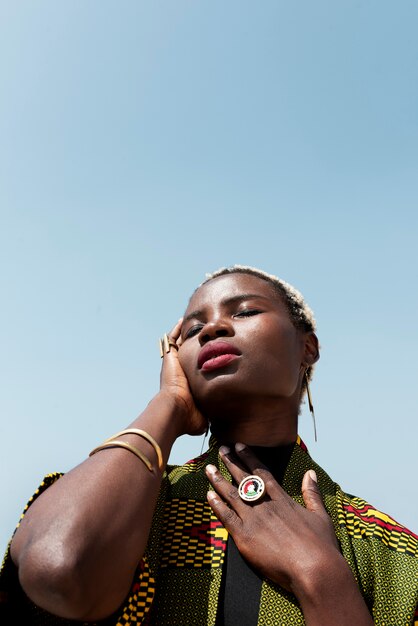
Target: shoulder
47	481
358	518
383	556
363	521
191	477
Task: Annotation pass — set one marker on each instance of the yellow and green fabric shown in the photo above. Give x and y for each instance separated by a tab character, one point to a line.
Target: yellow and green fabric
178	581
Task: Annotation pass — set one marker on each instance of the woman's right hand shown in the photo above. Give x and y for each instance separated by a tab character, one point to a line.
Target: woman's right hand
174	383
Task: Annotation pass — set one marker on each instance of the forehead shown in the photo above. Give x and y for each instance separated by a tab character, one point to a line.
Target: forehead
228	286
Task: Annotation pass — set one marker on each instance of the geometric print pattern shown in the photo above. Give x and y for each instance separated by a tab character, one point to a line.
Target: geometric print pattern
191	545
390	579
140	599
362	521
193	536
184	597
274	604
194	465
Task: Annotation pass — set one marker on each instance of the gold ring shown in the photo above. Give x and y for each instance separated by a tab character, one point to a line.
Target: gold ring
166	344
251	488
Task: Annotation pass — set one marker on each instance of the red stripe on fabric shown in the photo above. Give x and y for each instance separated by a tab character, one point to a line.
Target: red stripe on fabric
376	520
201	532
302	445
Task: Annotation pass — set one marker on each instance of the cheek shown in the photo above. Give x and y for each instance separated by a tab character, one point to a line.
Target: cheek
185	359
282	351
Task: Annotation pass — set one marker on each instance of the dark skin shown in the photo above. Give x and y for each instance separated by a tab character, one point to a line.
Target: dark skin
78	546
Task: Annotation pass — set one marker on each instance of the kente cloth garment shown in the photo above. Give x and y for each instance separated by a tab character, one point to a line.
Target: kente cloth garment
239	594
178	581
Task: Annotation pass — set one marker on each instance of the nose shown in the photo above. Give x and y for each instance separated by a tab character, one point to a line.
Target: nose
215	328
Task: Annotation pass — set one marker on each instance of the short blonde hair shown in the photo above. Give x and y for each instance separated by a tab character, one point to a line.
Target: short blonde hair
301	314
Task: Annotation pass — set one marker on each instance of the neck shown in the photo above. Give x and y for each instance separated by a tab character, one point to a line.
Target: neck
265	429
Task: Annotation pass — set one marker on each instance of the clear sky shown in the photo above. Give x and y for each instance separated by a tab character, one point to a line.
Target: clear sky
143	144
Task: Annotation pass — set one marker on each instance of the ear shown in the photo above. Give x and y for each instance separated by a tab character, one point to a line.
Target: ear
311	351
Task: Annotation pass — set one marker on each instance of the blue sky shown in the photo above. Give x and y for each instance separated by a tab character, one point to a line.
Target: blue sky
145	144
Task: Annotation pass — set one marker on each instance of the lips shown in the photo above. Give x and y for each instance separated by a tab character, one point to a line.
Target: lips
209	355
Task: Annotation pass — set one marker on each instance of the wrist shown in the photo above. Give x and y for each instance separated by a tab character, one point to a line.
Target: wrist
330	591
172	412
317	578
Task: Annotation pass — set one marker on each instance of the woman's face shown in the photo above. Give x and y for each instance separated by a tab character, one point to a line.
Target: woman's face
238	342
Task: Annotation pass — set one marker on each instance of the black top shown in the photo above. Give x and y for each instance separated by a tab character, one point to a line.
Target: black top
239	596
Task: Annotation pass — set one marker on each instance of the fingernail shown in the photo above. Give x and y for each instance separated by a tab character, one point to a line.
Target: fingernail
239	447
224	450
313	475
211	496
211	469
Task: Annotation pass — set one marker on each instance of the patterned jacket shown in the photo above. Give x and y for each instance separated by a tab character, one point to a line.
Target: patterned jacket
178	581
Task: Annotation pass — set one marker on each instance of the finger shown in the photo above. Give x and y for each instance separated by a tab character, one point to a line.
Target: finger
255	466
227	516
228	492
169	342
249	459
311	494
237	470
176	330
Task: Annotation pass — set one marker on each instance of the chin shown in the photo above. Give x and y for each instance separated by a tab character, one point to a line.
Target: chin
221	400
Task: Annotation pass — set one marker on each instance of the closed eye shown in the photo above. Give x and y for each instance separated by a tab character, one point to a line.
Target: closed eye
193	330
247	313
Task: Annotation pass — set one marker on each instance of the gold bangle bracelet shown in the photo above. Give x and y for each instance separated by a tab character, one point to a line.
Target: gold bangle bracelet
145	435
122	444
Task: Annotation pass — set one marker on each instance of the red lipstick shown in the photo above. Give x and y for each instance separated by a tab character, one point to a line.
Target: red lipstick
216	354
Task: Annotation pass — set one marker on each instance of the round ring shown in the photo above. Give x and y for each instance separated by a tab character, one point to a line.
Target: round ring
251	488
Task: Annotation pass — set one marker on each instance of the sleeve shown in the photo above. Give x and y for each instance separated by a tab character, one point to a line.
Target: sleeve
384	558
138	604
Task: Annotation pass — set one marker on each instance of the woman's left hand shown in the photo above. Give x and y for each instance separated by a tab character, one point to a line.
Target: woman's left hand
289	544
280	538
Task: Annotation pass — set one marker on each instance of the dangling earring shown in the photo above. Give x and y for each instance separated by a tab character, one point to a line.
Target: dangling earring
311	409
204	439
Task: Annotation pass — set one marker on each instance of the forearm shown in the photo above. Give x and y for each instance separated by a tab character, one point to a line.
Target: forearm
330	595
80	542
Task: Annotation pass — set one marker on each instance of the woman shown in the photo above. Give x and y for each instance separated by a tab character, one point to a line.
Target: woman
124	539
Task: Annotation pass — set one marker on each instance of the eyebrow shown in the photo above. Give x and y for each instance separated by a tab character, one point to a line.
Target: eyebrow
233	299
